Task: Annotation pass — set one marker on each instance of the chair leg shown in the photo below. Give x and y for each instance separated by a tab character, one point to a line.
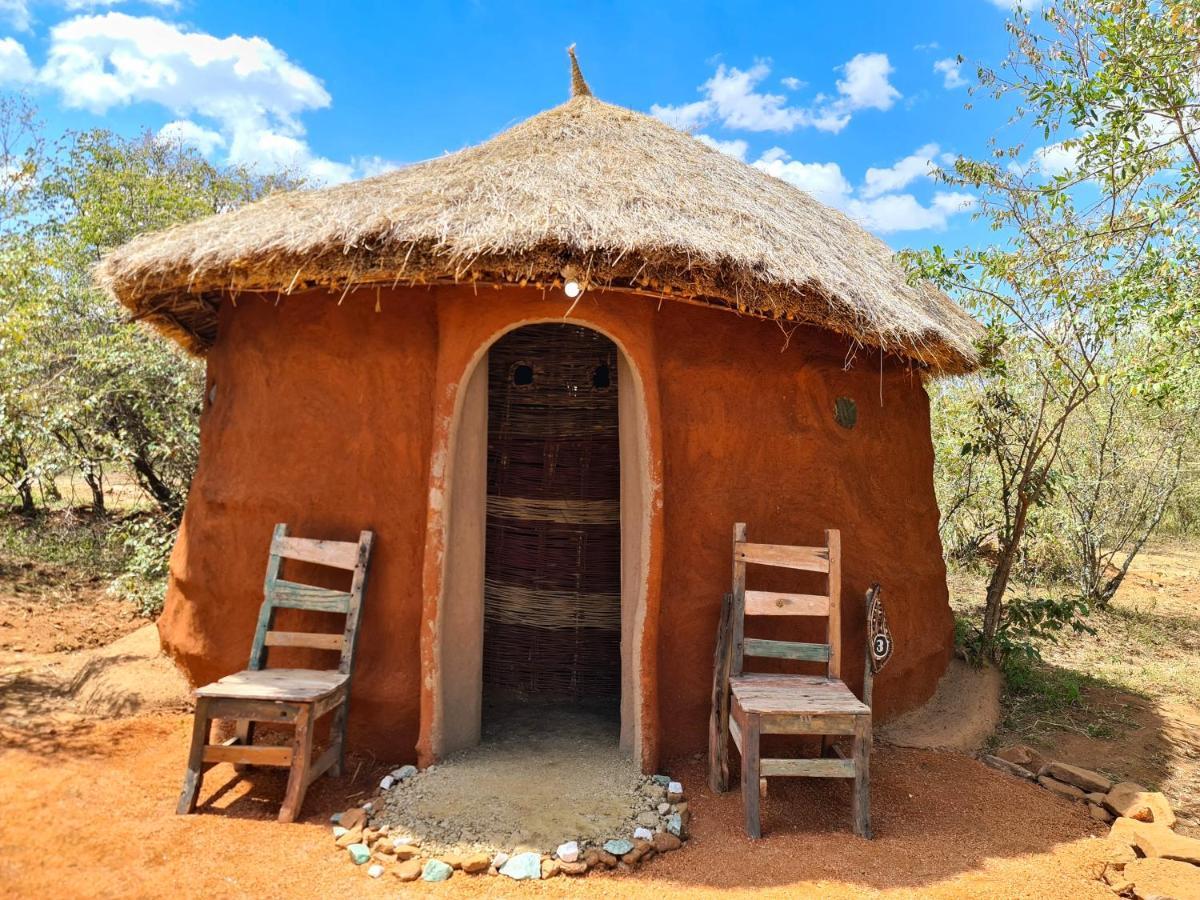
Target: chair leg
337	734
862	776
302	745
750	755
195	765
245	738
245	732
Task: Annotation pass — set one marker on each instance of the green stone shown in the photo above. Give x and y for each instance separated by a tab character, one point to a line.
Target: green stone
359	853
523	866
436	870
617	846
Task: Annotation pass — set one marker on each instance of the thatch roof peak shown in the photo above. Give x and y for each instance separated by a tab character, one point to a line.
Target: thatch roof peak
587	186
579	87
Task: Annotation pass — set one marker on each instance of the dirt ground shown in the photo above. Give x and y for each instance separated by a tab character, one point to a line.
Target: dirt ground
961	715
49	609
96	819
92	745
1137	715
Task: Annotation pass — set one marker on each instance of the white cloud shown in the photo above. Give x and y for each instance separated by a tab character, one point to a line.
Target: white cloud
15	67
919	164
1055	159
370	166
875	205
16	13
950	69
923	48
736	148
187	132
866	85
248	88
732	98
824	181
685	117
903	212
792	83
736	103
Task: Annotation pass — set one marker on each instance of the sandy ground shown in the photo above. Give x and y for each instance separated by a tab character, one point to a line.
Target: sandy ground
544	773
1139	713
92	751
961	715
96	819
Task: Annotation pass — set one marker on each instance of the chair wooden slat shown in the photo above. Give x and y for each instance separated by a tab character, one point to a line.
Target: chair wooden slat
770	603
254	756
796	650
336	554
810	559
312	639
807	768
292	595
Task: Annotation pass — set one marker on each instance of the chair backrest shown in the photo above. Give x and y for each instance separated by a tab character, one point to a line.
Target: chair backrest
827	559
281	594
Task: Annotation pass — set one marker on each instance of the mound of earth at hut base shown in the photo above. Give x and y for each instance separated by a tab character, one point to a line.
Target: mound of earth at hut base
542	775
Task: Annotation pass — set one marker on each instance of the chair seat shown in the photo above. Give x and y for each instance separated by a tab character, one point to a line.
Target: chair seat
296	685
795	695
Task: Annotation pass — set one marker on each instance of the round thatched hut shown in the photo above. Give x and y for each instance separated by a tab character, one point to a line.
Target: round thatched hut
550	372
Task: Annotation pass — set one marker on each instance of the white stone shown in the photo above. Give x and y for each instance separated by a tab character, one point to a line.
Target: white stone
375	871
642	834
674	788
368	806
568	852
385	783
499	859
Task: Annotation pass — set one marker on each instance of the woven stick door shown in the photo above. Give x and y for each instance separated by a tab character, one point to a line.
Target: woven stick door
552	614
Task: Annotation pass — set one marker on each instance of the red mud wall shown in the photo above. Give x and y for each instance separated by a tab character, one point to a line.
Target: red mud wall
750	436
323	417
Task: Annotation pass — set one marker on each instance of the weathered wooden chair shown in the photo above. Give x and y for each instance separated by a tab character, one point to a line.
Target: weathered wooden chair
296	696
747	706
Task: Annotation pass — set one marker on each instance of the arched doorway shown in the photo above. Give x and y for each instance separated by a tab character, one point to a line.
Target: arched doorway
552	570
453	680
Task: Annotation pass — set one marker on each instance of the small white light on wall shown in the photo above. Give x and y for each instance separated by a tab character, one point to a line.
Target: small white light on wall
572	289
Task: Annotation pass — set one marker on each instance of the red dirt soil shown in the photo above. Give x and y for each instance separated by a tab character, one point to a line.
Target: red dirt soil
48	609
96	819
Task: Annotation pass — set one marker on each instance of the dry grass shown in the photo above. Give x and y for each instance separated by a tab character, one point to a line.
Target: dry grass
1147	641
1125	700
587	191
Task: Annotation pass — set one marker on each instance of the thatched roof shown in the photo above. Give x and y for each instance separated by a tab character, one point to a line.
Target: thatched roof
588	191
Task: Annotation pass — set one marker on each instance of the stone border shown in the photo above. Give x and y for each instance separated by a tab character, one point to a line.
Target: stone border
385	848
1147	858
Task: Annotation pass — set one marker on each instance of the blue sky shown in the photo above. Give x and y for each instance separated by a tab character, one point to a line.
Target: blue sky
850	101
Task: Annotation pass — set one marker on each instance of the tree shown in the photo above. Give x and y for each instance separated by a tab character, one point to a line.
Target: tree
1098	246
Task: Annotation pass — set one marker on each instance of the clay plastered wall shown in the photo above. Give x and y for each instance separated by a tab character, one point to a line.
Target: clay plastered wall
749	435
328	417
321	419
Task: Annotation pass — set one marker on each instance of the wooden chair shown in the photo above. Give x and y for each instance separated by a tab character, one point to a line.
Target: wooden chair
746	706
296	696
